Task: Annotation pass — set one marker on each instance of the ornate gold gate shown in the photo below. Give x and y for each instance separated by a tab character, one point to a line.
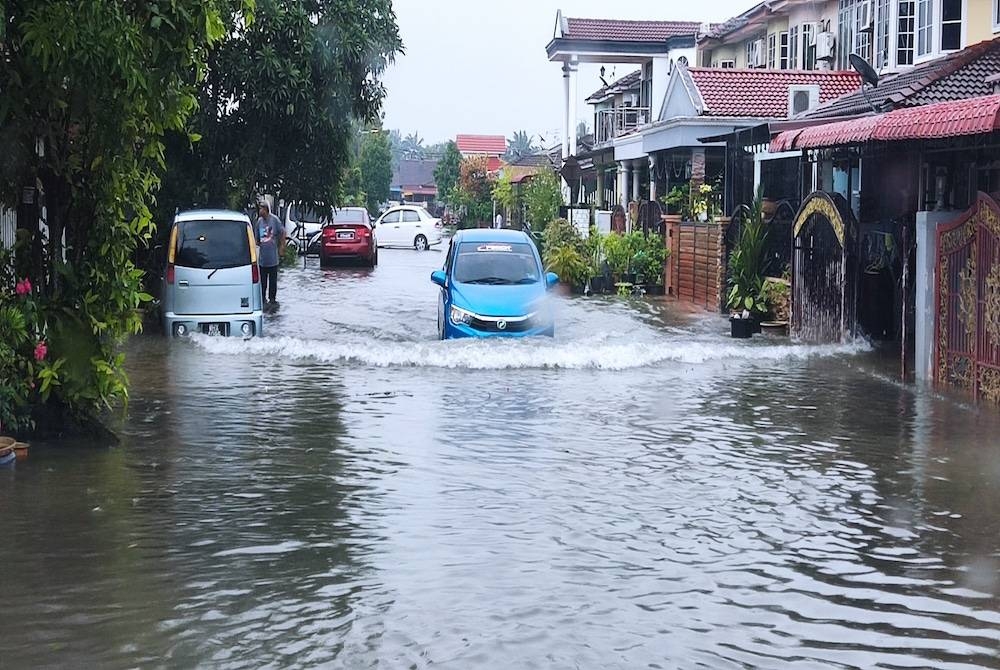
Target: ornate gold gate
968	301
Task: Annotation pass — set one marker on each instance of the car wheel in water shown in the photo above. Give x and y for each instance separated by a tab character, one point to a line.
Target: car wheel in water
420	243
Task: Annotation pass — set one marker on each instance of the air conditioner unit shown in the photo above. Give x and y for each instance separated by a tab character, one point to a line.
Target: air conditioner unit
825	42
802	99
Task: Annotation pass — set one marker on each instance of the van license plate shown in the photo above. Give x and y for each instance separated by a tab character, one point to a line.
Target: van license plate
213	329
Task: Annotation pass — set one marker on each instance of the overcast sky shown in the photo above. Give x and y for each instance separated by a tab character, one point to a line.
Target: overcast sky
479	66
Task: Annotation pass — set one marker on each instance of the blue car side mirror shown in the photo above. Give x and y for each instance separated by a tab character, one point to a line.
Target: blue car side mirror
439	278
551	279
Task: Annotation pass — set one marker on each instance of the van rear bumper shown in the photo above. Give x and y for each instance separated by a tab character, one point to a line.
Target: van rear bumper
227	324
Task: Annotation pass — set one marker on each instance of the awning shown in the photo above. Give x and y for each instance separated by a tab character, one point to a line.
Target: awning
954	118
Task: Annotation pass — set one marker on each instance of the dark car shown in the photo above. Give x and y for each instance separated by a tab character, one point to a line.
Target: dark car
350	236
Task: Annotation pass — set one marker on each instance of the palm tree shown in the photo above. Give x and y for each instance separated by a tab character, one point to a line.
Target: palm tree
413	146
520	145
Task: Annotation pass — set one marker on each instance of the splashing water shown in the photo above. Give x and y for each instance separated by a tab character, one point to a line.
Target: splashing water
502	354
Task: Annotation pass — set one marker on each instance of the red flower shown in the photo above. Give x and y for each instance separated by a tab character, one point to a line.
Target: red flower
23	287
41	350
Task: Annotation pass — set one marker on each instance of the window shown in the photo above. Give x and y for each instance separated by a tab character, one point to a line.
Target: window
646	89
793	48
845	41
772	50
783	51
391	217
925	27
409	216
863	30
905	31
727	64
212	245
486	263
808	48
951	25
753	53
996	15
881	51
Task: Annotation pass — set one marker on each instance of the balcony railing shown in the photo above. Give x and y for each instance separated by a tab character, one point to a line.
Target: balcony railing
612	123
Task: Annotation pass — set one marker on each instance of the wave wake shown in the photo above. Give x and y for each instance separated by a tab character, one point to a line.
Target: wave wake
593	354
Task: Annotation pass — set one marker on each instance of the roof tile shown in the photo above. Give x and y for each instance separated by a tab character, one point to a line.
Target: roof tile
959	75
761	93
629	31
482	144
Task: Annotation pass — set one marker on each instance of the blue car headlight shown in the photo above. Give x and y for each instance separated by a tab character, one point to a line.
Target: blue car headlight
460	316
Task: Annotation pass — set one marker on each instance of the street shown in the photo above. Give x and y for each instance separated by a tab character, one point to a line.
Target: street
639	491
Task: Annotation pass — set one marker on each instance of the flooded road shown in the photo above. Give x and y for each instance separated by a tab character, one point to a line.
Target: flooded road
641	491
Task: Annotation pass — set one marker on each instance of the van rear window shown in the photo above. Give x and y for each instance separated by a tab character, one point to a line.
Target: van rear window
212	244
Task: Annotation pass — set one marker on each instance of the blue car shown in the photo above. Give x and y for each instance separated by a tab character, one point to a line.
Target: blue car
493	285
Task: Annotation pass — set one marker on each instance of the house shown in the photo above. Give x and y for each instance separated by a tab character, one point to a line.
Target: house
413	181
493	147
654	46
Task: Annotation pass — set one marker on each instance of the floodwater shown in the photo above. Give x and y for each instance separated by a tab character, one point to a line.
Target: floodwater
639	492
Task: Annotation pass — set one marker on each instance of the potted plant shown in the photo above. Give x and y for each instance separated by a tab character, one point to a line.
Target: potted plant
777	296
568	263
617	254
746	271
594	246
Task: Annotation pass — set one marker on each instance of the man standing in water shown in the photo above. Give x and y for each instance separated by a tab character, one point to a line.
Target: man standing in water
271	237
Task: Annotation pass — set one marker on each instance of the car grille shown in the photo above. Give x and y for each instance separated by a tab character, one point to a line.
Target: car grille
492	325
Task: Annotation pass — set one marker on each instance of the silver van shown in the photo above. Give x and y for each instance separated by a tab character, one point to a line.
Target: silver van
212	280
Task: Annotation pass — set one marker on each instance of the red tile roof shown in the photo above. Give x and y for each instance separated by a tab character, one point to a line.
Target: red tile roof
482	144
972	116
629	31
763	93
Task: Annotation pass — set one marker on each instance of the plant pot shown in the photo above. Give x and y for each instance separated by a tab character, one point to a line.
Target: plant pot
597	285
7	456
741	328
21	450
756	325
774	328
655	289
6	442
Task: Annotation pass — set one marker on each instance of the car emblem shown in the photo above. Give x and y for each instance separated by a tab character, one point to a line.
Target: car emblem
501	325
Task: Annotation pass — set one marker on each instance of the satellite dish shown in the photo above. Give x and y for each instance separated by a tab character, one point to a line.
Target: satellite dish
867	72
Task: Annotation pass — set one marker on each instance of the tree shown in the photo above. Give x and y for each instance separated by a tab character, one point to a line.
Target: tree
375	165
475	189
90	89
279	103
543	198
520	145
413	146
504	193
447	172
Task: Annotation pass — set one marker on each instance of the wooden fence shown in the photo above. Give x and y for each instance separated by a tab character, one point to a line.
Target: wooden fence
697	262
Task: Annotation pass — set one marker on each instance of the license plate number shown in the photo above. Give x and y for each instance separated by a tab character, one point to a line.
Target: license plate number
213	329
345	235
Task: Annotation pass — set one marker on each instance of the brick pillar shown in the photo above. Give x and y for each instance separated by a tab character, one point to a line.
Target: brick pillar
671	224
697	167
721	270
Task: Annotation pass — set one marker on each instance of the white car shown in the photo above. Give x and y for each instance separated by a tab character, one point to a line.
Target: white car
408	226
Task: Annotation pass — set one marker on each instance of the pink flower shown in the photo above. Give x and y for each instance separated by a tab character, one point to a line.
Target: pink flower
41	351
23	287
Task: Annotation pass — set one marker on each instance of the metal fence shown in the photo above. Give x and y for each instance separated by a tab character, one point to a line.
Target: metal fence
8	227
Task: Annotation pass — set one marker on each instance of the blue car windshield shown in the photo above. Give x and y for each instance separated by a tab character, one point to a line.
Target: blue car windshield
496	263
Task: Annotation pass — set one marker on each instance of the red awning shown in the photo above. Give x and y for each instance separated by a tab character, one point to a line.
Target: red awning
972	116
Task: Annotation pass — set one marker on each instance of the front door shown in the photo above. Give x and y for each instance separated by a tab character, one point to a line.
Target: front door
388	230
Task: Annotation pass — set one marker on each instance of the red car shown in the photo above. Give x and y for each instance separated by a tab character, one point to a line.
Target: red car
349	236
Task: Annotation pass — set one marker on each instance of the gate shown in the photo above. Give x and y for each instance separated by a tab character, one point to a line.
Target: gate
824	272
650	220
967	325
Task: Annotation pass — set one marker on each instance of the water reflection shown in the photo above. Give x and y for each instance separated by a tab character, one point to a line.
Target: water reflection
637	492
